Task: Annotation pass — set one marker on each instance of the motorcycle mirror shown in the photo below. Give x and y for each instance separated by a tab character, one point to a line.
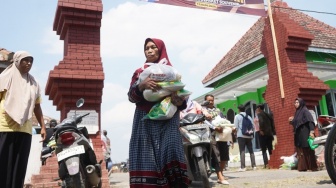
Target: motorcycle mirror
80	103
205	103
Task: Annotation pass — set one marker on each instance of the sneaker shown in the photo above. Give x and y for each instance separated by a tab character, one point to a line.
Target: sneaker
254	168
242	170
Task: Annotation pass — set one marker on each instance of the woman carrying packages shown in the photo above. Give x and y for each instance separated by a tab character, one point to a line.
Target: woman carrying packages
156	151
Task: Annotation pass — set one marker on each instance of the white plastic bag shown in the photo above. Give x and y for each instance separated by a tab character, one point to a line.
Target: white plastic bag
154	96
289	159
289	162
160	72
225	136
221	122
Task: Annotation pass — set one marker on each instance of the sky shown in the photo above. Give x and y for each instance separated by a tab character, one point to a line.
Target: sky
195	39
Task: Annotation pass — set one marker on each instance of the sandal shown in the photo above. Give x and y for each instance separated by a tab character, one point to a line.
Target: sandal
224	182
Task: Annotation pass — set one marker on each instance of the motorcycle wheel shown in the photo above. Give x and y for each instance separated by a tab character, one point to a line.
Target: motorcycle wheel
76	181
202	171
330	154
99	184
207	165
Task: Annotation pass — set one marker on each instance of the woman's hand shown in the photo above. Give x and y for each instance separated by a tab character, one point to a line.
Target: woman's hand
176	100
232	144
312	134
290	118
148	83
219	129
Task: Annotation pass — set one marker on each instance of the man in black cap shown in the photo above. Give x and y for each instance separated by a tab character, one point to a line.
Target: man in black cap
49	131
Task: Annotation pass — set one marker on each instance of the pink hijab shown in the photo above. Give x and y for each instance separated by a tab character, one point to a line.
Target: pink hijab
162	54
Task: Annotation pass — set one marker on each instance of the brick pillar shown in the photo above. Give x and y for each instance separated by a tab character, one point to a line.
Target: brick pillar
80	73
293	40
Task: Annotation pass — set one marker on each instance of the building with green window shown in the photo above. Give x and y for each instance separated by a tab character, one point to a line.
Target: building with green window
241	75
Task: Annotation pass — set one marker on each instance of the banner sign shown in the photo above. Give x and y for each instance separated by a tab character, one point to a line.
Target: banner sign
253	7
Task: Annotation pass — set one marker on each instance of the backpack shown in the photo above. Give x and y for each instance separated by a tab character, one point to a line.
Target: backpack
247	126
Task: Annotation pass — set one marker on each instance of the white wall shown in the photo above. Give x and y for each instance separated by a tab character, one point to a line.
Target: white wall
34	162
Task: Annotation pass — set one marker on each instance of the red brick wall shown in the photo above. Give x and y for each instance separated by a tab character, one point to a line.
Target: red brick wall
292	42
80	73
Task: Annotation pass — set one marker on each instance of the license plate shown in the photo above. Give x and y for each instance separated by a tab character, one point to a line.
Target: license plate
70	152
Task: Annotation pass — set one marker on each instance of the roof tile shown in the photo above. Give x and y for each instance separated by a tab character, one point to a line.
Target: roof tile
248	46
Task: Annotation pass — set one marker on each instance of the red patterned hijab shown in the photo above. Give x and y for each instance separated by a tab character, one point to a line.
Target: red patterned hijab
162	49
162	55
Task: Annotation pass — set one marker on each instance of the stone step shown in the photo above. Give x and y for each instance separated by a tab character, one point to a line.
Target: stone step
46	184
51	177
44	177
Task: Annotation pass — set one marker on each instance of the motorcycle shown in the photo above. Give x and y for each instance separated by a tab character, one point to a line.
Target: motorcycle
324	125
78	167
123	167
47	151
327	130
197	148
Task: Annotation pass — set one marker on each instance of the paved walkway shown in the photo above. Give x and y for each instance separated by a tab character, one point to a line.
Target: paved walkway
253	179
261	178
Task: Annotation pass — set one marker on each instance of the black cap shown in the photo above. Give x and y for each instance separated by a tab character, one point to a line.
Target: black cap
53	123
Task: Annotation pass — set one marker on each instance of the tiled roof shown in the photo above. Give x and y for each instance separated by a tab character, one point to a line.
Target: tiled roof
249	45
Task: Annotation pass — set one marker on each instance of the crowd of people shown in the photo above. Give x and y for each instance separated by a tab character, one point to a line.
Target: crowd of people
156	152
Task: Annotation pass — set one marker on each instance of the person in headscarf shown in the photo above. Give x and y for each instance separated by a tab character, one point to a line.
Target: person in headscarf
19	98
156	152
303	124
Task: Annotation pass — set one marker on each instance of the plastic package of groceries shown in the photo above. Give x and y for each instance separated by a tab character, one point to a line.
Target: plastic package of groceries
172	86
183	93
162	111
224	136
154	96
167	77
290	162
160	73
